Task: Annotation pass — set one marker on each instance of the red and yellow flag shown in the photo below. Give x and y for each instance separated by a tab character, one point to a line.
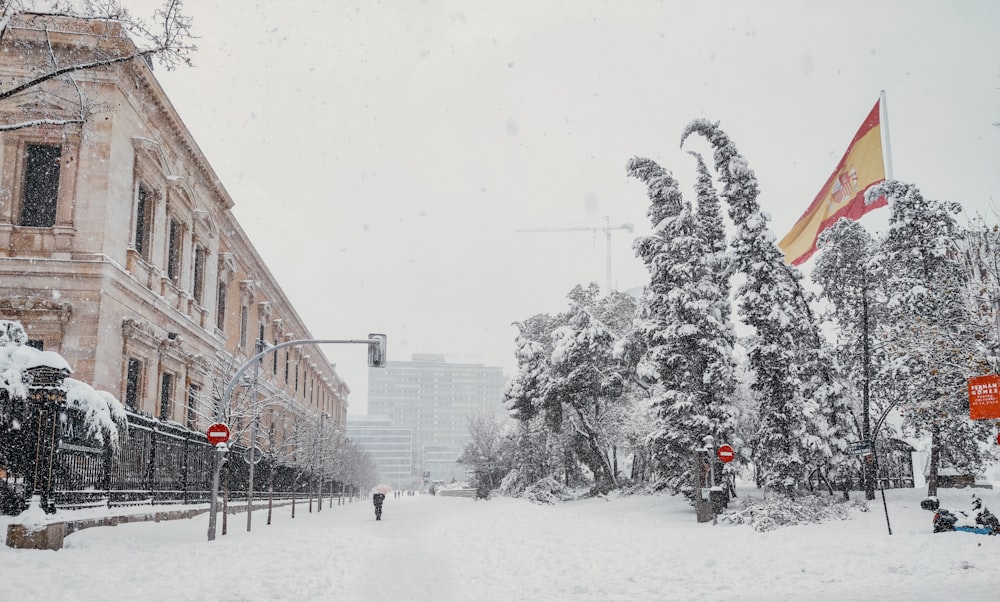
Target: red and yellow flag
843	195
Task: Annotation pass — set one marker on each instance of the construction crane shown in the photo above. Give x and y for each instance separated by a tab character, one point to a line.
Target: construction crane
606	228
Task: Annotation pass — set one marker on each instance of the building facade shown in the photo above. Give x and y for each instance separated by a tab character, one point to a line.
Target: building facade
435	399
118	247
390	448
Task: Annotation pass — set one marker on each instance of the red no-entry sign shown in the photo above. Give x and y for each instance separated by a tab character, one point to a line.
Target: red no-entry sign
217	433
725	453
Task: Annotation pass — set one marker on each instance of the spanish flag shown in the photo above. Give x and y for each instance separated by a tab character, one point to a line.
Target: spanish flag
843	195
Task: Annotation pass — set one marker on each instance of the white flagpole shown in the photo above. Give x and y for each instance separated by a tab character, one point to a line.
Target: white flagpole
884	120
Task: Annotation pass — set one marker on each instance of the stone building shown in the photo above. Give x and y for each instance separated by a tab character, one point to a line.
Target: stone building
118	247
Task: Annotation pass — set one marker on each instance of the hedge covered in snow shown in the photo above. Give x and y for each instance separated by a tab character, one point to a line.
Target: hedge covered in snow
773	511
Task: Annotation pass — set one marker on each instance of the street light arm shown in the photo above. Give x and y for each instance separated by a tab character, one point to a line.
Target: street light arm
228	391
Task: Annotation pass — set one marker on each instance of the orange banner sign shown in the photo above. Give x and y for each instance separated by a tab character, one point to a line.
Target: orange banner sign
984	397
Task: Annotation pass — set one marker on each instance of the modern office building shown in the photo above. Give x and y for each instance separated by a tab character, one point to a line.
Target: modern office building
435	399
440	463
390	447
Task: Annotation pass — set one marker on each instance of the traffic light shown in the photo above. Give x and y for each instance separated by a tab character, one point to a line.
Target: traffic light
376	351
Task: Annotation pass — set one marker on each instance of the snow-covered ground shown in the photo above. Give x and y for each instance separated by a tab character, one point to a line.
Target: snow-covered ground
458	549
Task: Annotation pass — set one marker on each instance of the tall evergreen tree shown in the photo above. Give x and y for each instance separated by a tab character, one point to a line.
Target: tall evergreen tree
722	367
855	289
803	411
688	341
712	231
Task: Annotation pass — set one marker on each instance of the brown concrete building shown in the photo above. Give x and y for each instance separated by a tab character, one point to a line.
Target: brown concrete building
118	248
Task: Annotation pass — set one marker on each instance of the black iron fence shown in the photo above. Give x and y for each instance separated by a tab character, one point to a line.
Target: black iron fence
46	450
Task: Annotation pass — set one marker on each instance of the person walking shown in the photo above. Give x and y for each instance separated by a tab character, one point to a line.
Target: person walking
377	500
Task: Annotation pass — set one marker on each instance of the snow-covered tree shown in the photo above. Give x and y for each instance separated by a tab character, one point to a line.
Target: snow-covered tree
166	38
980	257
524	392
712	231
931	335
489	450
585	382
278	447
538	450
566	414
854	287
803	409
688	340
354	466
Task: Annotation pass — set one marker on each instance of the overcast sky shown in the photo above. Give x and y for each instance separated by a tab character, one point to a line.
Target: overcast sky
383	155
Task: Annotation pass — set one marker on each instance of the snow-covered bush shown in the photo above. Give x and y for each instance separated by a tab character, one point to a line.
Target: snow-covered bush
102	412
513	484
547	491
771	512
544	491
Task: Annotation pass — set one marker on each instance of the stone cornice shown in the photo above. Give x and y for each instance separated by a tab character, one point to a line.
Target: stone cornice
22	303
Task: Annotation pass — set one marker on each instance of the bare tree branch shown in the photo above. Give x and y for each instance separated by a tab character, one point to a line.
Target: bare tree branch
169	41
37	122
64	70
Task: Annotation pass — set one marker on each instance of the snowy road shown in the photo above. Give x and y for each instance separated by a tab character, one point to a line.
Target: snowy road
457	549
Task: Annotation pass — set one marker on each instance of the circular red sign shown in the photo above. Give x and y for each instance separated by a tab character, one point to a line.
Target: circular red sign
725	453
217	433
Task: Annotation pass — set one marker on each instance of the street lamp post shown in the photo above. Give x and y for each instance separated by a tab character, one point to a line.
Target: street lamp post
376	359
253	434
321	457
878	427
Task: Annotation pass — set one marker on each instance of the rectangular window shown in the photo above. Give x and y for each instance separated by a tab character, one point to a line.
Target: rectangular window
41	185
244	318
220	307
174	252
194	392
166	395
286	367
132	384
143	221
198	286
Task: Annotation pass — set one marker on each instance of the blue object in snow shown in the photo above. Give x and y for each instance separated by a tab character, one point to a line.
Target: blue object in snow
979	530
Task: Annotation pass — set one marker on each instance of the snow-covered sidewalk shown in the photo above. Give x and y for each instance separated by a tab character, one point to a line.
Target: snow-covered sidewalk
443	549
